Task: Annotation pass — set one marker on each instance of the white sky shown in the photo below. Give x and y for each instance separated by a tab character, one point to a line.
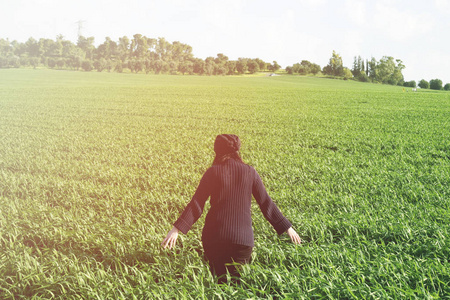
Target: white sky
288	31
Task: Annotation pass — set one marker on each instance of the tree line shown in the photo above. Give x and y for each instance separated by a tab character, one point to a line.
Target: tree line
138	54
151	55
387	70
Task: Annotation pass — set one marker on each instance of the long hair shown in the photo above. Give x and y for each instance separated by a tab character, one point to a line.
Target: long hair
221	159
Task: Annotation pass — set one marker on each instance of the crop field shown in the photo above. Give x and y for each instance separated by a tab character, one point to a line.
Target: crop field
96	167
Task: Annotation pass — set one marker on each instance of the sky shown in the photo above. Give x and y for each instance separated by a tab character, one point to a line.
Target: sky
287	31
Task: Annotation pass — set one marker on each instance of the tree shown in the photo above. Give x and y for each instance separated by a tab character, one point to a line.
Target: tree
436	84
253	66
100	64
60	63
358	66
75	61
315	68
34	61
447	87
423	84
347	73
118	66
411	83
274	67
122	48
372	69
289	70
87	45
199	66
210	66
107	50
335	66
262	64
51	62
87	65
241	65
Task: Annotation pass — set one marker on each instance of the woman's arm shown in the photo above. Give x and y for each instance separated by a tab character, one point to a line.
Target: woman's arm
268	207
191	212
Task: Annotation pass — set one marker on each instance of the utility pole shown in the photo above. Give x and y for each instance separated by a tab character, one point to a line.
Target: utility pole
80	27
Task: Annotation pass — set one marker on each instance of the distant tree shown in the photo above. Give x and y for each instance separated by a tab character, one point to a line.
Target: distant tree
327	70
107	50
75	61
296	68
221	70
159	66
118	66
347	73
241	65
199	66
221	59
315	68
385	70
302	69
109	65
173	67
274	67
262	64
231	67
411	83
87	45
358	67
60	63
136	65
51	62
123	48
86	65
210	66
372	69
423	84
436	84
253	66
34	61
186	67
447	87
100	64
289	70
335	66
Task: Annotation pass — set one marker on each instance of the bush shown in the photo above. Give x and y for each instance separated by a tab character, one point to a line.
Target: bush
100	64
447	87
51	62
436	84
34	61
87	65
347	73
423	84
60	63
119	66
411	83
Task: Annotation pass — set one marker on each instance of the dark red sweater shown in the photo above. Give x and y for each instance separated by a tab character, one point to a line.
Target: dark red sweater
231	186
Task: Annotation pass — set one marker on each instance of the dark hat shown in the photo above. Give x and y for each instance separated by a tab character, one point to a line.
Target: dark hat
226	143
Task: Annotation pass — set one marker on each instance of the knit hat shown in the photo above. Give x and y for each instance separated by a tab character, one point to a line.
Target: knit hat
226	143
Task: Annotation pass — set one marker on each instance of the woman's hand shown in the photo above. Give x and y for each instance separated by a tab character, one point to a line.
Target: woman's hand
171	238
295	238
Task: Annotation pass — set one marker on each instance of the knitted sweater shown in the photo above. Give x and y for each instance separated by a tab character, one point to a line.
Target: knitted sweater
231	186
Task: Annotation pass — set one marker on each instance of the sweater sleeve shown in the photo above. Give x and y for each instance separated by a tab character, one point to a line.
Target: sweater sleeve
194	209
268	207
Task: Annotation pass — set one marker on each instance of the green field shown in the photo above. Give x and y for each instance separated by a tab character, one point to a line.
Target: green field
96	167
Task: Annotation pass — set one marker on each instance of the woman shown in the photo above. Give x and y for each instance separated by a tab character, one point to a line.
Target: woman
228	234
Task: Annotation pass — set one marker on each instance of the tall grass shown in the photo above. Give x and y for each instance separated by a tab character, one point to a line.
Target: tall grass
95	167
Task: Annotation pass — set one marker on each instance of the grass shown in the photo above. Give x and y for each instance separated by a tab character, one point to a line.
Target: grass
95	167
